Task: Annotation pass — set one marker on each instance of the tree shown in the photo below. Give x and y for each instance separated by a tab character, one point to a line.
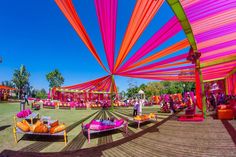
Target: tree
153	88
131	92
8	83
21	79
55	78
33	93
159	88
42	94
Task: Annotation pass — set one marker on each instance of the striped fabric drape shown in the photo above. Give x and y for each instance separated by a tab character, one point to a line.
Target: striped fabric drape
107	13
70	13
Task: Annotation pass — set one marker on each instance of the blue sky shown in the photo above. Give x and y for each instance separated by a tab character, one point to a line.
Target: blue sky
36	34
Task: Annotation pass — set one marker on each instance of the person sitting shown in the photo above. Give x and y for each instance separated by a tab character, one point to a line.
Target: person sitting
108	121
171	102
190	111
213	101
165	107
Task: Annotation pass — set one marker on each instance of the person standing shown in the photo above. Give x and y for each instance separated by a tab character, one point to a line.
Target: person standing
26	99
135	109
171	102
140	105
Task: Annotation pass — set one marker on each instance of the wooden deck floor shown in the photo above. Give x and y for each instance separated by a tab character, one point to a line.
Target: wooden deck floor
168	137
174	138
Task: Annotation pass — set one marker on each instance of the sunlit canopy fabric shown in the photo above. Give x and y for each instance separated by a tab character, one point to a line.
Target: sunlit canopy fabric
171	28
143	13
214	27
107	13
167	51
103	84
212	23
69	11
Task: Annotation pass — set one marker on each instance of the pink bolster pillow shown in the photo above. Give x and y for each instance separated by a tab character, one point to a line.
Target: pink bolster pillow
94	127
119	122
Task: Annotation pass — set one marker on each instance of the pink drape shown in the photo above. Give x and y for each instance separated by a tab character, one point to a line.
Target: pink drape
70	13
169	60
107	13
171	28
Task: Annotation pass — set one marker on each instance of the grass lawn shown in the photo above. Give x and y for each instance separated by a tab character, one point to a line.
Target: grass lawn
8	110
72	118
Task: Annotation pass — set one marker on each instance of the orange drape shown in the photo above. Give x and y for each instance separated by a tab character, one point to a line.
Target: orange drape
169	50
69	11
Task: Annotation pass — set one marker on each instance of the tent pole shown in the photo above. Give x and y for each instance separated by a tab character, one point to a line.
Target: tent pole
199	81
226	86
111	92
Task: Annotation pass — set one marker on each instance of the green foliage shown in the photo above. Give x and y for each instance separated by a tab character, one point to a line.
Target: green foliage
163	87
42	94
21	78
55	78
132	91
153	88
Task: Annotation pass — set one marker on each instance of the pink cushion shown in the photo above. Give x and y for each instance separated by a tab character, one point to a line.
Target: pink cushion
72	104
97	125
95	122
94	127
119	122
24	113
105	127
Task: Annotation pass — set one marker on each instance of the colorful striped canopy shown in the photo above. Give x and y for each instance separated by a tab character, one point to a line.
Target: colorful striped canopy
103	84
209	25
214	27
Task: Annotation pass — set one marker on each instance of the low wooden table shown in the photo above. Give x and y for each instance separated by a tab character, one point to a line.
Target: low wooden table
16	131
142	121
89	131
